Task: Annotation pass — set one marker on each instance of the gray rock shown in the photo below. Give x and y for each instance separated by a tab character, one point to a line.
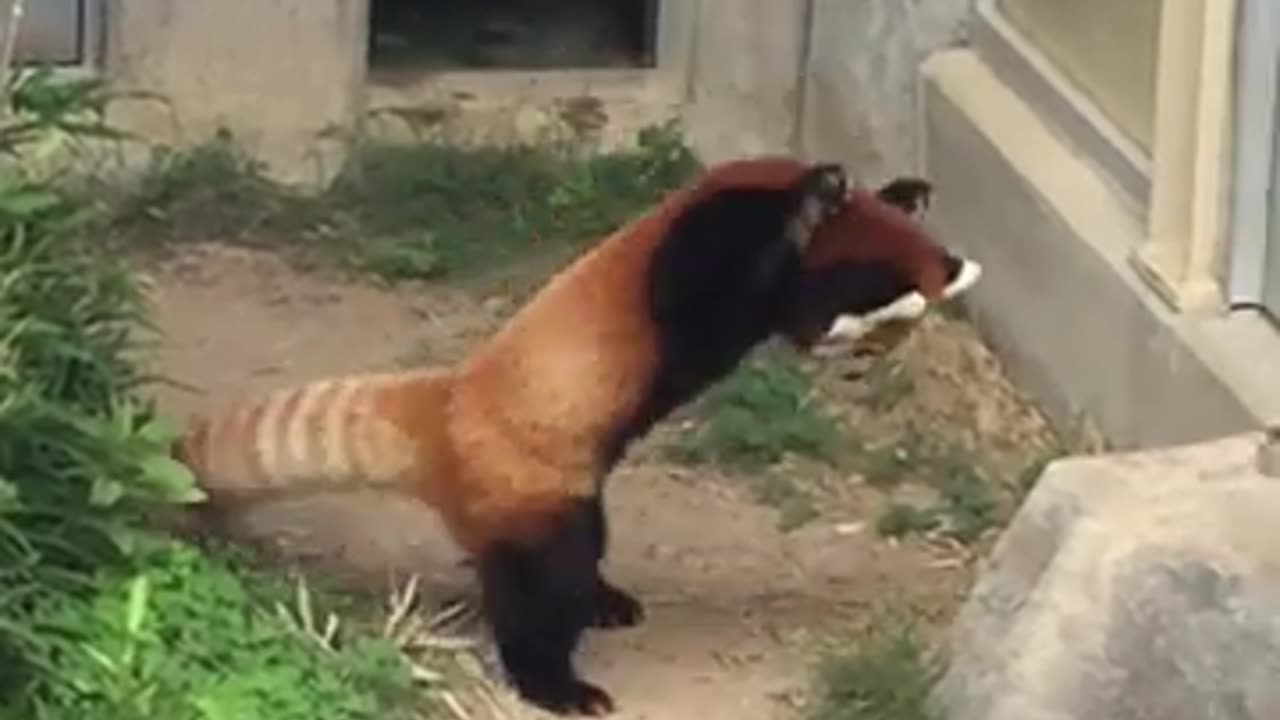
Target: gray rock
1140	586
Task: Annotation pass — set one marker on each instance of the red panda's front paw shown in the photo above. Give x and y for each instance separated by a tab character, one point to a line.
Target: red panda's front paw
574	698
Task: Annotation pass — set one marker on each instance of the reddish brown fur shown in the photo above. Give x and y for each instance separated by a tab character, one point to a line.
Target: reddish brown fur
871	229
514	429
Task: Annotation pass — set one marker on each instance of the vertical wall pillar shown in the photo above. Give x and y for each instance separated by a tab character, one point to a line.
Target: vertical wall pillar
1187	226
281	75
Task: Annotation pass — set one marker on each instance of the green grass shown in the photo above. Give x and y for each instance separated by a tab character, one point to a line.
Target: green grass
759	414
185	638
99	617
408	211
752	420
887	677
967	505
891	463
795	504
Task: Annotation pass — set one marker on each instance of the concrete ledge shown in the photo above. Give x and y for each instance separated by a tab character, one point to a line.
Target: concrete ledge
1060	301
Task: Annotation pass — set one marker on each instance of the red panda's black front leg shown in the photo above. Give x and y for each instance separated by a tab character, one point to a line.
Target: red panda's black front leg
539	595
615	607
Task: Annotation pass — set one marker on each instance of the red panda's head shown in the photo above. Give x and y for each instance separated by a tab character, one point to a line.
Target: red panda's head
873	264
868	265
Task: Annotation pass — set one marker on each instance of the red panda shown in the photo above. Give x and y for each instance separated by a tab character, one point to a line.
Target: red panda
511	445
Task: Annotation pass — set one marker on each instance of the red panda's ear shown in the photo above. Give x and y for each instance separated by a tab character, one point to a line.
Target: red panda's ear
909	194
823	192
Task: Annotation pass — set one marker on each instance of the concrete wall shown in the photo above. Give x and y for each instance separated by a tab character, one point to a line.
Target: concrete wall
836	78
744	76
277	73
862	94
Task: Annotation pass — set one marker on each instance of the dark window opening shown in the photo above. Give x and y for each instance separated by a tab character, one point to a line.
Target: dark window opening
512	34
55	32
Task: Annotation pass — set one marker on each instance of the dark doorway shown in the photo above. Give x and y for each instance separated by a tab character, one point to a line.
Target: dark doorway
512	34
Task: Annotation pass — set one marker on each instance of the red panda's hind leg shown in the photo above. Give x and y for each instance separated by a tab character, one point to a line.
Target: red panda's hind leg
539	595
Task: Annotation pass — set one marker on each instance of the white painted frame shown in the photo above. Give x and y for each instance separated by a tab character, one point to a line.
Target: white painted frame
1023	67
1181	187
1253	216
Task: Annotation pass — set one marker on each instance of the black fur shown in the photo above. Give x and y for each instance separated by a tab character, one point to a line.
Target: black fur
911	194
615	608
718	285
717	282
727	277
538	598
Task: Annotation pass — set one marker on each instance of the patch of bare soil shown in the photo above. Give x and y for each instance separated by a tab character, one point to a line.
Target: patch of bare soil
737	607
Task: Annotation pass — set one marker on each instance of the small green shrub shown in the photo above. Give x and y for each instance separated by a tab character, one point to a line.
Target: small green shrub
901	519
184	640
480	209
402	211
888	677
79	455
97	618
211	192
891	463
757	415
967	505
796	506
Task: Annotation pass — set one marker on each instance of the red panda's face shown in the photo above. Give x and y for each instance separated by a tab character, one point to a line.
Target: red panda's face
874	264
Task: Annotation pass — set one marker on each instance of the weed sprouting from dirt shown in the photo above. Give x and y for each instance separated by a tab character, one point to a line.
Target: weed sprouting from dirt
408	211
756	416
967	504
887	465
888	677
796	505
214	191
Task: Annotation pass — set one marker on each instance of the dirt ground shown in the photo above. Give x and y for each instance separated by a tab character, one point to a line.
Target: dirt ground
737	607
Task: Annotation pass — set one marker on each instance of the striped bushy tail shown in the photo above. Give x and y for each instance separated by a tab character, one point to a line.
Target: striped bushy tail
329	434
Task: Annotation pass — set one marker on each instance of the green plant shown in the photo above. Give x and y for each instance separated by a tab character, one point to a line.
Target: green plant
764	410
887	678
185	640
411	211
396	259
967	505
212	191
891	463
47	114
796	505
479	209
80	457
901	519
98	617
